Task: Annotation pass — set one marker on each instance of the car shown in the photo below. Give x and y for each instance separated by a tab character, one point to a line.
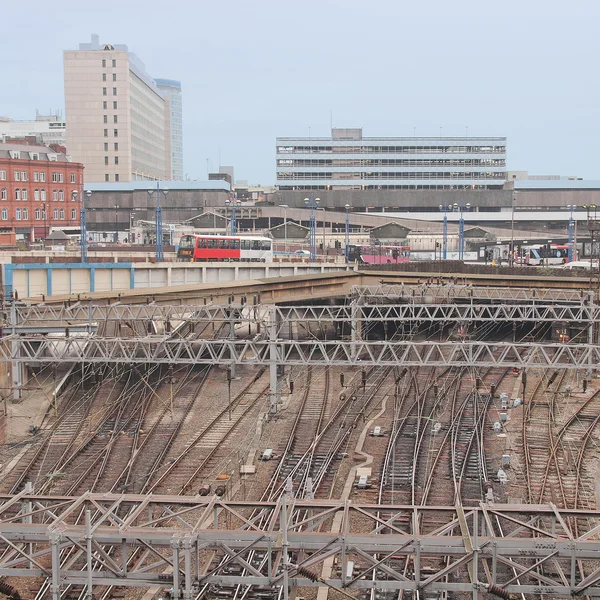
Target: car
302	252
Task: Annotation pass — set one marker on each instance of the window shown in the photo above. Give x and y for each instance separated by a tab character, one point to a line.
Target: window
104	91
106	118
61	195
114	62
105	105
55	213
105	146
3	175
116	177
106	160
25	214
23	175
73	213
17	175
116	146
17	194
62	214
104	62
38	214
24	194
212	243
42	194
74	195
115	119
114	91
36	194
54	177
55	195
103	76
3	194
18	214
61	177
106	177
4	214
72	177
42	177
106	133
116	160
114	76
36	176
224	244
116	133
115	104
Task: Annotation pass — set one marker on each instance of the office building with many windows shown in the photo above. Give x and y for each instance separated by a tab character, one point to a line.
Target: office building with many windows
118	120
46	129
349	161
172	89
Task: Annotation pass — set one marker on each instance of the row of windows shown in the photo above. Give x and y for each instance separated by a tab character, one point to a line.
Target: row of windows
416	162
115	133
106	146
233	244
114	76
22	214
115	119
106	160
114	62
391	149
107	177
105	105
57	195
407	186
40	176
105	94
286	175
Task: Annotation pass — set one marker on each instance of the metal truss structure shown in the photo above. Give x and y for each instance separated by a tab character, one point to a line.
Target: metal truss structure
468	292
161	349
28	318
195	545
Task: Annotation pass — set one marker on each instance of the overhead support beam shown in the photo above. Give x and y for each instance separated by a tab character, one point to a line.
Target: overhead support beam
161	349
40	537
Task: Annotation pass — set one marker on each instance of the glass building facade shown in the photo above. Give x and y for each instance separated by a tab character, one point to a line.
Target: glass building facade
173	89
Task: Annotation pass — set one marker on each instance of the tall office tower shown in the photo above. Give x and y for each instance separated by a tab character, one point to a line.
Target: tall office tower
116	115
349	161
172	89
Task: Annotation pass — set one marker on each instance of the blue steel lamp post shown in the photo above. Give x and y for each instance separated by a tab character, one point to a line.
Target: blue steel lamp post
445	239
571	249
347	207
158	212
233	202
312	203
461	228
87	195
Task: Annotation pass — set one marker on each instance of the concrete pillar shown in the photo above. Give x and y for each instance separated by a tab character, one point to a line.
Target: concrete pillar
274	384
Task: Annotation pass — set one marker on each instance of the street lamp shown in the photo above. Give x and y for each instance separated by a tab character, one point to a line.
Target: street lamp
233	202
571	250
83	226
511	259
461	228
116	224
347	207
285	207
312	203
445	208
158	212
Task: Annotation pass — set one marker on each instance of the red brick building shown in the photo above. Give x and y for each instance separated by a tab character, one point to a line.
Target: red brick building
40	188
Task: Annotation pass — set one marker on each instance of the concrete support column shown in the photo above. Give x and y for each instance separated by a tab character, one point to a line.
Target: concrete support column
274	384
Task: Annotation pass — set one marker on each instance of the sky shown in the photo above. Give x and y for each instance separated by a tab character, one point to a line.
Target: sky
255	70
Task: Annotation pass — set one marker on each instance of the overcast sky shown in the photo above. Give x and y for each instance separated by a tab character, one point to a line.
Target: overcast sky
253	70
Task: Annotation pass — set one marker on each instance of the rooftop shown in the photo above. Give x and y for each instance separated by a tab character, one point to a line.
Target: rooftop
130	186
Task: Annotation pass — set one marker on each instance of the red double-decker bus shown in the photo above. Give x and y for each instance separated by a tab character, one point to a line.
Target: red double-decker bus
221	248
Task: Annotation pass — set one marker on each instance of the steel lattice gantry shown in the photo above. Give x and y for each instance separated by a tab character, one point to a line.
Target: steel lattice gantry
189	543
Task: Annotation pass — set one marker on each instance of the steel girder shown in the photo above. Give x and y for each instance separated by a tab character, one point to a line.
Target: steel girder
190	542
90	316
166	350
468	292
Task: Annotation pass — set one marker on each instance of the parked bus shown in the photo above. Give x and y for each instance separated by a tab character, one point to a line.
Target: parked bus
219	248
544	254
378	255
